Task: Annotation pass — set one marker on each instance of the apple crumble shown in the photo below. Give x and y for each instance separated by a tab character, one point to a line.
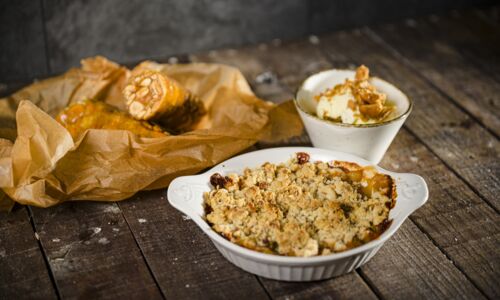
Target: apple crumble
301	208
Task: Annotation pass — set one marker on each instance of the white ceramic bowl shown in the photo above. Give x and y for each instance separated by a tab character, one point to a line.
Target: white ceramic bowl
368	141
186	194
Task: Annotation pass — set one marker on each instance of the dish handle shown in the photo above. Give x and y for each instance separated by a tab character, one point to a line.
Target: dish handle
412	190
186	194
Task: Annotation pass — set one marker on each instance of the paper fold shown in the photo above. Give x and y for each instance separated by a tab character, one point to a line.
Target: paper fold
43	166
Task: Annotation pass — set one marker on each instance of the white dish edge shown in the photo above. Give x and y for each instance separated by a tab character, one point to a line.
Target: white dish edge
186	194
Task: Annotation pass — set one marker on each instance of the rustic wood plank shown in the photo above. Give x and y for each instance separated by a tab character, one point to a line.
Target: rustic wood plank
92	252
23	272
455	218
327	16
470	150
492	13
307	56
263	81
184	261
348	286
422	47
449	194
413	254
472	36
484	275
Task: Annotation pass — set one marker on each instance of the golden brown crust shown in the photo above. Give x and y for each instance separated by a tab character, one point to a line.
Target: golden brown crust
346	165
301	208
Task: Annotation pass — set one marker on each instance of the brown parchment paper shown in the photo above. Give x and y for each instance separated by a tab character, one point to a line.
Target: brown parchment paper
41	165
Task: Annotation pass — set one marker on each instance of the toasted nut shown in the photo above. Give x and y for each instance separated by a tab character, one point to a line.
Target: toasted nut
378	97
362	73
386	112
145	82
263	185
351	104
136	107
371	110
130	88
143	92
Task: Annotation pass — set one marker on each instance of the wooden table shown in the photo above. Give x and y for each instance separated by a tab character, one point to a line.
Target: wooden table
143	248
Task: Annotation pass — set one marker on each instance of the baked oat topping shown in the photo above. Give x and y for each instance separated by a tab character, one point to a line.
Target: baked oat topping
301	208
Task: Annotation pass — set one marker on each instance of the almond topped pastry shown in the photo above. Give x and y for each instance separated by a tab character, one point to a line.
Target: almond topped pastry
355	101
301	208
89	114
152	95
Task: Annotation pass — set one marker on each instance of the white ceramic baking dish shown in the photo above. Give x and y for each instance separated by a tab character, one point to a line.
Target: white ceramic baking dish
186	194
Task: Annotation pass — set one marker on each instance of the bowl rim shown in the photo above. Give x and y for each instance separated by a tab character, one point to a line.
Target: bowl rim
396	222
401	116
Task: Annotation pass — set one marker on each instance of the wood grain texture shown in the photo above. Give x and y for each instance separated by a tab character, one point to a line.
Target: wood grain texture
92	252
23	273
182	258
409	267
348	286
327	16
492	13
263	82
472	36
423	48
485	275
470	150
22	51
455	218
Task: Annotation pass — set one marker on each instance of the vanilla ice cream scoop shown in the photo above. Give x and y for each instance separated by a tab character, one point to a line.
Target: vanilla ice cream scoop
354	102
337	108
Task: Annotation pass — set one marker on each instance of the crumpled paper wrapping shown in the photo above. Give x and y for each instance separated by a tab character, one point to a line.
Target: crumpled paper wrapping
41	165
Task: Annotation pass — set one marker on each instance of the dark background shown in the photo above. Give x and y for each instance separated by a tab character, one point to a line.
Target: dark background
43	37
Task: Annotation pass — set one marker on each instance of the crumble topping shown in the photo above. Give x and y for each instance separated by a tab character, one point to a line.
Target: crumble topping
301	208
